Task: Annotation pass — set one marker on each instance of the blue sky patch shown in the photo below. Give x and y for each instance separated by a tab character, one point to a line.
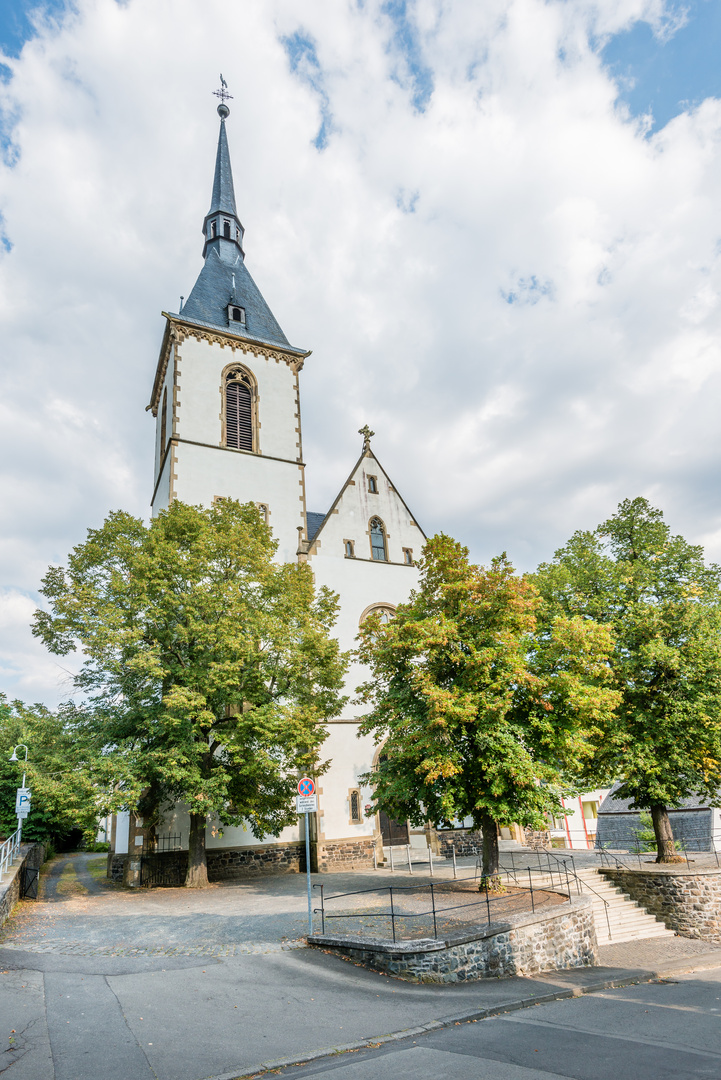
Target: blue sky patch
15	26
528	291
665	75
304	63
405	41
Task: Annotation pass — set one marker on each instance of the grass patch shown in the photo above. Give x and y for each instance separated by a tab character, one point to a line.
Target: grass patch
68	884
97	868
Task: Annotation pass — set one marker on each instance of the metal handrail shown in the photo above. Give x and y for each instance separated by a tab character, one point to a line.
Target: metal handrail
8	851
433	887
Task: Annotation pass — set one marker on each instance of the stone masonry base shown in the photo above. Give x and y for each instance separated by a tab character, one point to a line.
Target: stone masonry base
345	854
688	900
524	945
31	855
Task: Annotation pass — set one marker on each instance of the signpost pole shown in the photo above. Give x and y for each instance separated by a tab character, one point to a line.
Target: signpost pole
307	804
307	871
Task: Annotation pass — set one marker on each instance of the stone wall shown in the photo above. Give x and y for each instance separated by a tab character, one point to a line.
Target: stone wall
33	856
688	900
226	864
524	945
465	841
344	855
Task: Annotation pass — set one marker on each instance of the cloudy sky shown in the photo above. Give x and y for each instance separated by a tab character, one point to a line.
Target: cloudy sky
497	225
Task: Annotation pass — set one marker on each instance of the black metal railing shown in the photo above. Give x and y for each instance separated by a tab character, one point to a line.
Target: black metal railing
435	889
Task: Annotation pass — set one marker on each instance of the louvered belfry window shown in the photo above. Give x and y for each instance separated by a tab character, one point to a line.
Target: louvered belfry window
378	541
238	411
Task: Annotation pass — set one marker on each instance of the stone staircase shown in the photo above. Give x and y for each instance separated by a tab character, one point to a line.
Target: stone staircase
628	920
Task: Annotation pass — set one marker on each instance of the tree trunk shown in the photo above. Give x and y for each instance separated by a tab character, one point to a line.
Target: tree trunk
665	846
197	876
490	847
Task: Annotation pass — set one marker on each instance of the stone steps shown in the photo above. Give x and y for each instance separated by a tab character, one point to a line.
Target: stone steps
628	920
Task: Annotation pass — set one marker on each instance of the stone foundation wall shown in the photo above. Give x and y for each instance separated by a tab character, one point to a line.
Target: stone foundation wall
226	864
620	830
525	945
344	855
688	900
465	841
32	855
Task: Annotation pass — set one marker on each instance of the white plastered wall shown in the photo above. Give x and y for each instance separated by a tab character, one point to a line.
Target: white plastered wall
361	582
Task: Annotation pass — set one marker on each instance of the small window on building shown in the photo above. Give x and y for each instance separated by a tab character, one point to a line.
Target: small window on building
373	484
408	556
590	810
356	810
378	541
226	230
237	314
264	511
349	549
237	234
213	229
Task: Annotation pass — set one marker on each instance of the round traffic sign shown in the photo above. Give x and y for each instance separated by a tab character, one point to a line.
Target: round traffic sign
306	786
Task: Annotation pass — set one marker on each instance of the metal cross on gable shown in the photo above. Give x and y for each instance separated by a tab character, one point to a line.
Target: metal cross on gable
367	434
223	92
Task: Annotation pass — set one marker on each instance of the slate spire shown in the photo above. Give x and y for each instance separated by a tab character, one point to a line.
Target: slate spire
225	294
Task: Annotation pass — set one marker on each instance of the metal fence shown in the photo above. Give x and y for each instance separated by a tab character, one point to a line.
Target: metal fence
437	890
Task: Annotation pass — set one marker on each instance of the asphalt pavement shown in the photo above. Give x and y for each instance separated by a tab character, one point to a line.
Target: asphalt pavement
99	984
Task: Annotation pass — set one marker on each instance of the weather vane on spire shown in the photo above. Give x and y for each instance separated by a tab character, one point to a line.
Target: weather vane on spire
224	96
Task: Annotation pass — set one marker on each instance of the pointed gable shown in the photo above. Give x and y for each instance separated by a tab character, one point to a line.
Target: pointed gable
367	495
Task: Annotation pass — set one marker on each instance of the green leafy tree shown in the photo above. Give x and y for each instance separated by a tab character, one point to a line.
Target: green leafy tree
209	668
63	783
481	705
663	603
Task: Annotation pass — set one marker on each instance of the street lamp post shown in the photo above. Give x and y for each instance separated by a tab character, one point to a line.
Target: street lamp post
21	817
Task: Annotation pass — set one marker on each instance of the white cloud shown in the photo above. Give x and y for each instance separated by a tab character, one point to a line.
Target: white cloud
493	263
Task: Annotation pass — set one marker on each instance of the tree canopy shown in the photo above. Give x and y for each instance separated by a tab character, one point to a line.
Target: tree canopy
663	604
483	706
209	668
65	785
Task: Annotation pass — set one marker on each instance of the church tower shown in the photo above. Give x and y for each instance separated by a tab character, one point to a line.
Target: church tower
226	397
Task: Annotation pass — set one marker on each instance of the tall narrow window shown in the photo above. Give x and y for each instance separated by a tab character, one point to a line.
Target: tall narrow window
373	485
238	411
349	549
408	556
164	421
213	229
378	541
226	230
356	811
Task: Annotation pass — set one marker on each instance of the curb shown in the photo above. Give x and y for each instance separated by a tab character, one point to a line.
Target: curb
703	961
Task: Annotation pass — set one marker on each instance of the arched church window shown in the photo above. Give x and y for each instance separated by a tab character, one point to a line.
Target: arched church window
238	410
226	230
378	541
163	421
384	612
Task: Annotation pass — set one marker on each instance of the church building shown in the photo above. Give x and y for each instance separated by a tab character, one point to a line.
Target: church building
226	400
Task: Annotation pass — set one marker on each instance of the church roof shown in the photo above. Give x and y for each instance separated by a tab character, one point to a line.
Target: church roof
314	523
219	284
223	197
224	278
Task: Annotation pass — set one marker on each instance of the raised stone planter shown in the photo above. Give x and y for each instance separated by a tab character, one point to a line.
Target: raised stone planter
687	899
524	945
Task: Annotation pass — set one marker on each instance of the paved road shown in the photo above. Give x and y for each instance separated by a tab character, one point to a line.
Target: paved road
652	1031
105	984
